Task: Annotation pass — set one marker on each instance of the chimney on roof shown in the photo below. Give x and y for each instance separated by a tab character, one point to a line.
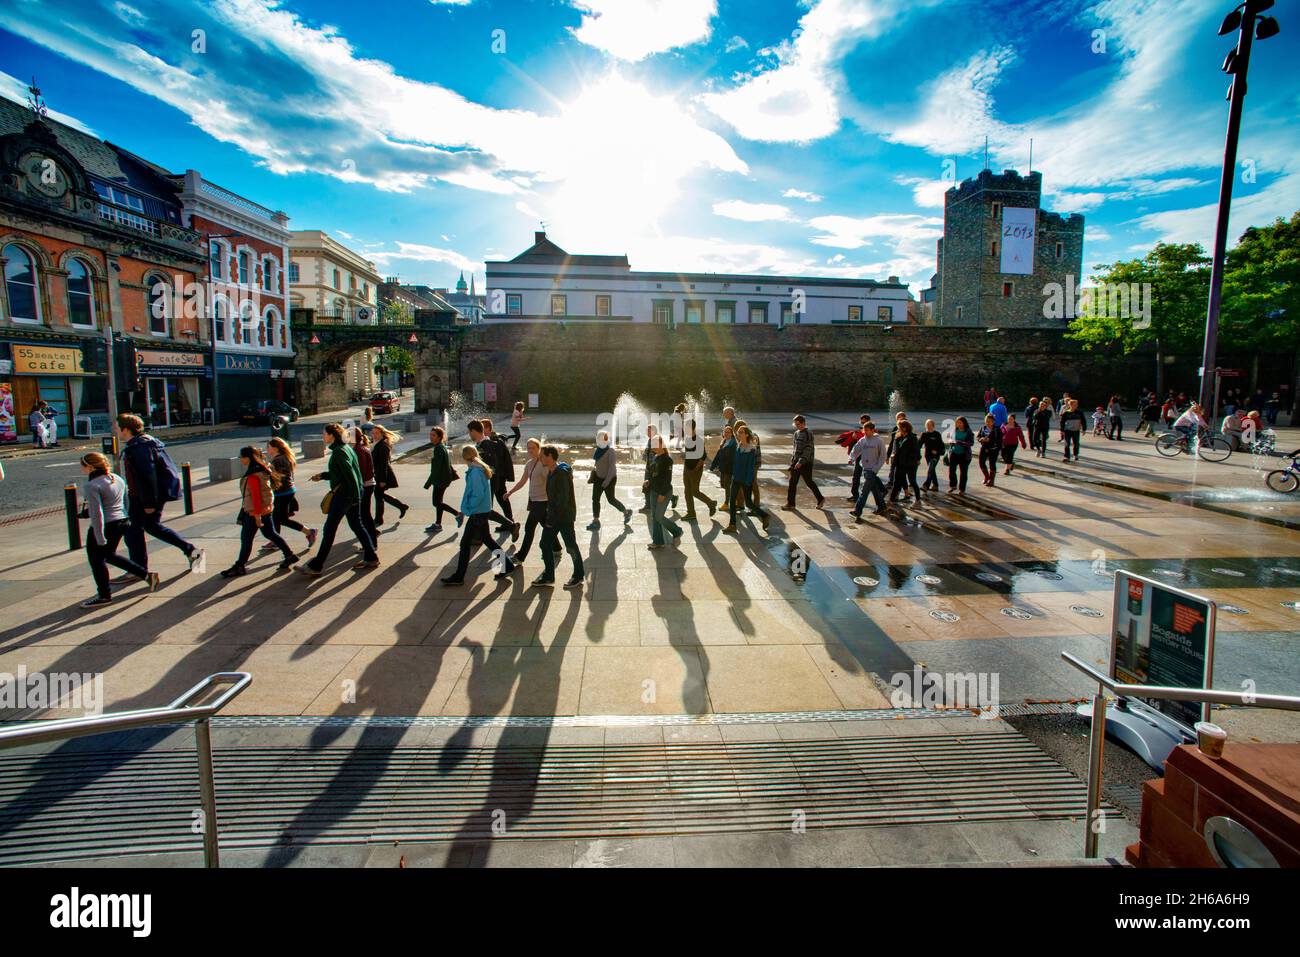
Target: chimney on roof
539	236
893	280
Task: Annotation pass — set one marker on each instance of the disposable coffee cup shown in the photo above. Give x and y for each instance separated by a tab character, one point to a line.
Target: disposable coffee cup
1210	739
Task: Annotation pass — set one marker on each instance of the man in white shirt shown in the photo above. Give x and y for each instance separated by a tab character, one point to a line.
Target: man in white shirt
869	453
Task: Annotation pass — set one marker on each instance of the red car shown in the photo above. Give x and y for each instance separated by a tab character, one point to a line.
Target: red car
384	403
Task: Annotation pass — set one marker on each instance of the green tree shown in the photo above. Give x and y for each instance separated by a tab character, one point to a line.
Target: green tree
1260	308
399	359
1178	277
396	312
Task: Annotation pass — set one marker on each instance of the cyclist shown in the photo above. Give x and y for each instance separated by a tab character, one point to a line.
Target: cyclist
1191	420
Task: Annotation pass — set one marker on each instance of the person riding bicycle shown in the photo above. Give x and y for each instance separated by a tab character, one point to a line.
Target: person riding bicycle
1191	420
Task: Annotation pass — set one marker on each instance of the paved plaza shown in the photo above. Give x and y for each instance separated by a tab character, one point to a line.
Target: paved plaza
716	626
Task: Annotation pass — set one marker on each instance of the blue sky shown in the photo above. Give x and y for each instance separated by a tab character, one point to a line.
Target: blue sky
807	138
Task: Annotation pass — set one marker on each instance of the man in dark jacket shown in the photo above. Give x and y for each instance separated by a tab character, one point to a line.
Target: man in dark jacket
145	499
801	464
344	476
489	451
503	469
561	513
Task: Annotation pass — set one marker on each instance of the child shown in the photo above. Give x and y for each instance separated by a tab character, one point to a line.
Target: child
1099	421
516	417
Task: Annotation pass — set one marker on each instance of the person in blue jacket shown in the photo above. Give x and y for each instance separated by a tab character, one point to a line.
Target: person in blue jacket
475	506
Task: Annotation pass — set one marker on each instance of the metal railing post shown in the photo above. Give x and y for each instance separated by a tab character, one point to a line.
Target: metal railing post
74	523
187	488
207	792
1096	747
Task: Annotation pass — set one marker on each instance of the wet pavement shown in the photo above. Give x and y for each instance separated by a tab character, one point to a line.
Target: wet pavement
999	581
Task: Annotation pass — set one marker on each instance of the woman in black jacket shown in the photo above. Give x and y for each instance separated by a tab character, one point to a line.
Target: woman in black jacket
907	458
381	451
933	448
1040	427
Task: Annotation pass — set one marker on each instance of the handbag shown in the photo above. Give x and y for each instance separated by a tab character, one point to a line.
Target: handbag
325	502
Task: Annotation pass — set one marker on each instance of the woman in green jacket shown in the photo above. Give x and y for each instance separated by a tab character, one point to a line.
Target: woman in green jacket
344	476
441	475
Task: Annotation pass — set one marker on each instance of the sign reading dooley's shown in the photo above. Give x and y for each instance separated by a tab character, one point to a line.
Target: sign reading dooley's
1019	224
1162	636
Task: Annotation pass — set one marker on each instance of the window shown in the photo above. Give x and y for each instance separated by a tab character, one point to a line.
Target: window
217	259
81	300
787	313
293	272
1007	290
694	312
338	280
20	282
758	312
218	320
663	311
268	274
243	268
884	314
365	290
993	248
119	197
244	330
959	313
855	313
997	210
559	305
725	312
514	304
1060	250
158	296
602	305
111	214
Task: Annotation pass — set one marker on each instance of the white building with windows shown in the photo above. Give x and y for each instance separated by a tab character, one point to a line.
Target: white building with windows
545	283
248	294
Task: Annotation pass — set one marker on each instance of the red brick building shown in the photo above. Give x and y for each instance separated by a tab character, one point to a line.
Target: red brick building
92	245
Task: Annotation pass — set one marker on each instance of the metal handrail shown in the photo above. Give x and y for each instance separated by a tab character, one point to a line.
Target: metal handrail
1097	740
183	709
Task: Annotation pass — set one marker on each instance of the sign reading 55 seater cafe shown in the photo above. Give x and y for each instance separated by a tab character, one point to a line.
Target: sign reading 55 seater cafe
1019	224
47	360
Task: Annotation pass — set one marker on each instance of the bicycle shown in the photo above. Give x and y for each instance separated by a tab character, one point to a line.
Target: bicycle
1287	479
1210	446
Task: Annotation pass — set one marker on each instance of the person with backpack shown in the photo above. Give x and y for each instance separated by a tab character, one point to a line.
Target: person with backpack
152	480
561	513
106	509
257	503
480	433
503	464
343	501
283	466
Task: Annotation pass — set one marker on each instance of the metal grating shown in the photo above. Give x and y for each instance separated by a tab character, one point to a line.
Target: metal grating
68	805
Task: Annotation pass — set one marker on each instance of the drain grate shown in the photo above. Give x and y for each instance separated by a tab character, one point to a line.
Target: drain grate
79	804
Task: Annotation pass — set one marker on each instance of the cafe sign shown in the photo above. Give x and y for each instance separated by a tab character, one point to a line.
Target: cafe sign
47	360
168	362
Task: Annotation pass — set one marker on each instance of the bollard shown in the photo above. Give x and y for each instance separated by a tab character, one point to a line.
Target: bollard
187	488
74	523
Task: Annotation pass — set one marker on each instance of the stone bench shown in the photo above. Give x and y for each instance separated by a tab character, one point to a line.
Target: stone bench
224	469
313	448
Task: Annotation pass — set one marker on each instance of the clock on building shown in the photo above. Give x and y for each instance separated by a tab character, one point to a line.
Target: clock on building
45	175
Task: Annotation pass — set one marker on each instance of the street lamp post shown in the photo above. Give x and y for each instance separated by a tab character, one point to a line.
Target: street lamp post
1249	25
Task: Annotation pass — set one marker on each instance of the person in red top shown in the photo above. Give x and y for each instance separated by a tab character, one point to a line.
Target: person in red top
1011	435
257	502
848	440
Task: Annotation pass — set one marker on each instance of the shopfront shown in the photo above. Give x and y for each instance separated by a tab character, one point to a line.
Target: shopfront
35	373
171	381
243	378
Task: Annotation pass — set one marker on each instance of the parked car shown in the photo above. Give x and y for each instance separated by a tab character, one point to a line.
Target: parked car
259	413
383	403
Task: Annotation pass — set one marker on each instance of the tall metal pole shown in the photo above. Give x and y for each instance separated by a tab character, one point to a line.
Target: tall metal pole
1236	96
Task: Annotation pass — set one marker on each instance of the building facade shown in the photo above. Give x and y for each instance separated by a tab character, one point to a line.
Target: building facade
338	285
1000	251
248	294
94	251
545	283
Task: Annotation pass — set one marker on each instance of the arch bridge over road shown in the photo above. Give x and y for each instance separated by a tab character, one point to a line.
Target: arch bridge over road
324	341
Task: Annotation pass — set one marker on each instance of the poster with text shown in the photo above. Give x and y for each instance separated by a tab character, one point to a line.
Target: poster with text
1019	224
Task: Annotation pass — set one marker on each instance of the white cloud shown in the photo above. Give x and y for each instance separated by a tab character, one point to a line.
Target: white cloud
752	212
736	43
807	197
926	193
796	100
847	232
635	29
417	252
1281	197
958	107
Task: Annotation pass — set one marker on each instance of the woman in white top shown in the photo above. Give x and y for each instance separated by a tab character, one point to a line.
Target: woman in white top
516	418
106	508
535	476
1190	421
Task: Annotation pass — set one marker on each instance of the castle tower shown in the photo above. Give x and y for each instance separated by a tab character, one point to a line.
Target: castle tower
999	250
